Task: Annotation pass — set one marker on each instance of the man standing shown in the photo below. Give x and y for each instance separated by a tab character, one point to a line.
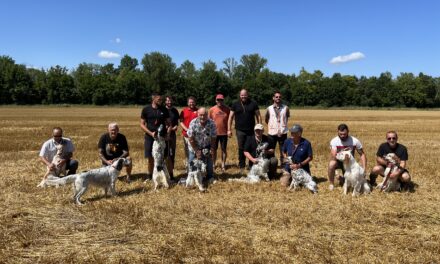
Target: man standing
339	143
245	112
277	116
202	134
391	146
49	150
220	114
152	116
112	146
170	149
186	116
250	150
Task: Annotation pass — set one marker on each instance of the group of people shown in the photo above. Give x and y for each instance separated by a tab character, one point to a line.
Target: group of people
203	130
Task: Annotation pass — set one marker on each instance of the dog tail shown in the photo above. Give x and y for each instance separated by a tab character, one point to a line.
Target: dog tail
63	181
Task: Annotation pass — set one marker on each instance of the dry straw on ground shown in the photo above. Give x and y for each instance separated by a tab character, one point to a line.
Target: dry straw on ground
232	222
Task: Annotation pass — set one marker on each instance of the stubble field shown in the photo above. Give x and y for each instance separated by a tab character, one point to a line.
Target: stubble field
232	222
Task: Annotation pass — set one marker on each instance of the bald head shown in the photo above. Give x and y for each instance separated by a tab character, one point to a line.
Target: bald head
203	115
113	130
244	95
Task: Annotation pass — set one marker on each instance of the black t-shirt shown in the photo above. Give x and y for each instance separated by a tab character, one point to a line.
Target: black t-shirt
154	117
400	151
244	114
113	148
251	146
174	116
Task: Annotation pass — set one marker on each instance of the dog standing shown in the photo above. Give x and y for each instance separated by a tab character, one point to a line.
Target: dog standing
388	184
160	171
57	170
104	177
301	177
354	174
197	171
259	169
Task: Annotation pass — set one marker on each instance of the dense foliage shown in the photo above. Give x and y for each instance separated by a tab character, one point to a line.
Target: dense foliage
131	83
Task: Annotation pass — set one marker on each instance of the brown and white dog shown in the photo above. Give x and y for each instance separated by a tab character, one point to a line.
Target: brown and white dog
390	184
57	170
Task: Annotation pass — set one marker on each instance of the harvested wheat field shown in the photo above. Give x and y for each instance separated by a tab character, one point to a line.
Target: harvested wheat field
231	223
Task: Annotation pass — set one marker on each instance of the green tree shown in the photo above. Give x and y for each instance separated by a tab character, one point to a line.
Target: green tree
160	72
60	86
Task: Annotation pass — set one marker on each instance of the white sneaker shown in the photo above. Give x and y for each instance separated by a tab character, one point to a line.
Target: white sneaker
331	187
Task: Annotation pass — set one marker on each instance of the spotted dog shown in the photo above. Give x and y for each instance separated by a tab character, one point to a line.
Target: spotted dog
57	170
388	184
301	177
259	169
354	174
197	171
161	175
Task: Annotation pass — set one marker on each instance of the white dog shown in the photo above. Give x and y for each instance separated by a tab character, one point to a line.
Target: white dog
105	177
259	169
57	170
161	175
301	177
388	184
354	174
197	171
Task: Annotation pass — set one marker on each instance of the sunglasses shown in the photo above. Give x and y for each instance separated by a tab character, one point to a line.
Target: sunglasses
391	138
57	136
219	99
277	96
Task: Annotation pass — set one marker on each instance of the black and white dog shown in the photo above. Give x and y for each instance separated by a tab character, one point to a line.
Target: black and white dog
197	171
161	176
104	177
259	169
301	177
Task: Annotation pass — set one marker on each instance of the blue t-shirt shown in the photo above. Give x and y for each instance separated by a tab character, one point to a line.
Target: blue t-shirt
298	154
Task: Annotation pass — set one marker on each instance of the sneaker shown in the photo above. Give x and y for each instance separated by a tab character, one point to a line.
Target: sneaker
331	187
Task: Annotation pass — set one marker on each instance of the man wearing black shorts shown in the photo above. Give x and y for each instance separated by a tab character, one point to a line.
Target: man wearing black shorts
220	114
152	116
245	112
391	146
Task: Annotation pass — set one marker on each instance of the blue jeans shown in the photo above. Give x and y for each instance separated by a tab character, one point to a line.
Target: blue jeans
209	167
71	166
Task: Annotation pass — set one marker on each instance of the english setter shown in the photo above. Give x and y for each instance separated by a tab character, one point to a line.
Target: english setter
388	184
354	174
259	169
104	177
161	175
58	169
301	177
197	171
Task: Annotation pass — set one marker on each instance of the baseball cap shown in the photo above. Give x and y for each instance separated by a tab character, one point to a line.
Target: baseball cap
296	128
258	127
219	96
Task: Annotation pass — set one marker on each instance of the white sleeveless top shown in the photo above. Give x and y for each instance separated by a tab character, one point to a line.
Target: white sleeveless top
277	120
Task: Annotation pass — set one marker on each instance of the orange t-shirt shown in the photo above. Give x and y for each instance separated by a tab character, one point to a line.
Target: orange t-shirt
220	116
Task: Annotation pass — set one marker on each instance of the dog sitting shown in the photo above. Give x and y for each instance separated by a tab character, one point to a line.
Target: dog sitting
354	174
390	184
57	170
197	171
301	177
105	177
259	169
161	175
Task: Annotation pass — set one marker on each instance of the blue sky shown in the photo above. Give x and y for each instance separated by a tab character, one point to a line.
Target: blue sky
359	37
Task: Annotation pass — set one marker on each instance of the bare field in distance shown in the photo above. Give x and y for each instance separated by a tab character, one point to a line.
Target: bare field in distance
232	222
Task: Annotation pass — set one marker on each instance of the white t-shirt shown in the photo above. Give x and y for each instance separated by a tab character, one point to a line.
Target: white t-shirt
351	142
49	148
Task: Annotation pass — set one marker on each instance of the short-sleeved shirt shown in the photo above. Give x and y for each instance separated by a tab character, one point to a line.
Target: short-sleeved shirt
351	142
186	116
244	114
154	117
202	134
49	148
220	115
251	146
113	148
298	154
400	151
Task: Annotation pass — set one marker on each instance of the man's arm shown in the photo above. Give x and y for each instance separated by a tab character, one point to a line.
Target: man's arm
249	156
267	116
258	116
363	158
231	116
381	161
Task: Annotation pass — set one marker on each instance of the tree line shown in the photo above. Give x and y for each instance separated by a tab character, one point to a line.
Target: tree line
133	83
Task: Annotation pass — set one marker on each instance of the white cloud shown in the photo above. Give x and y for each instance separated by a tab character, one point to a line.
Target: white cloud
118	40
347	58
105	54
